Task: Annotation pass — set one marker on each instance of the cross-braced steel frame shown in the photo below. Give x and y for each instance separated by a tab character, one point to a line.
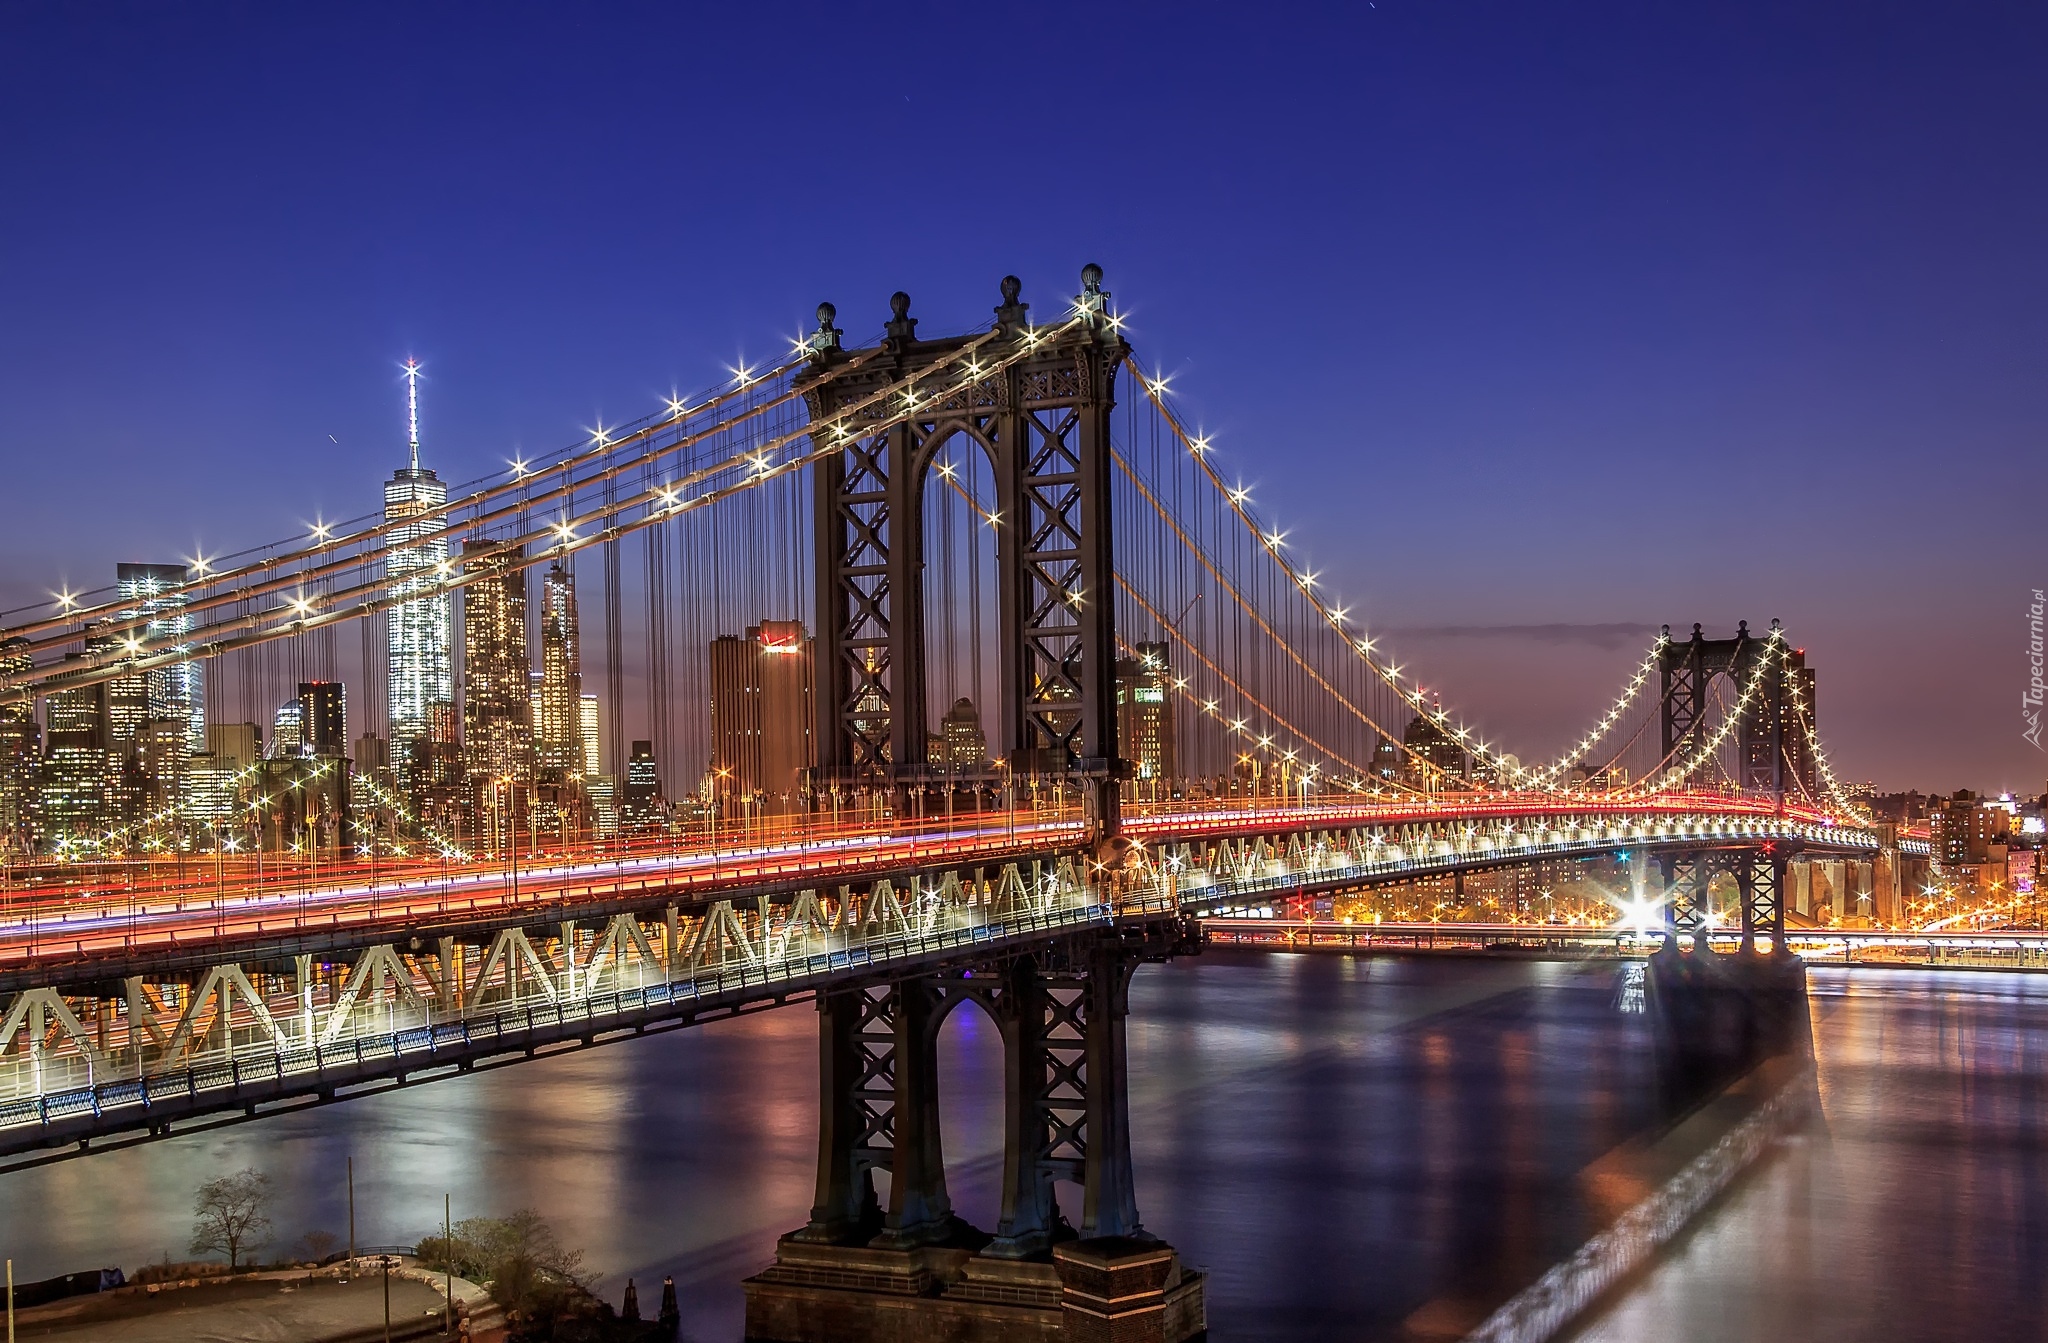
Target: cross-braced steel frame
1060	1011
1042	418
1759	874
1686	672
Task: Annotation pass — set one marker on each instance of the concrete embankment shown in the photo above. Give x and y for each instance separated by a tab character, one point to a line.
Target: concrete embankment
1645	1192
307	1307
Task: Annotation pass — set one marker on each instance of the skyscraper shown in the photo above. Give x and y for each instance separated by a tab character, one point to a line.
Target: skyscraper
588	717
497	713
1426	742
1753	740
75	772
288	730
176	693
558	701
20	747
323	718
761	711
421	674
640	801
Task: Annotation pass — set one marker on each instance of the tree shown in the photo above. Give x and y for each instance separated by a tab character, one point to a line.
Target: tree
230	1215
526	1268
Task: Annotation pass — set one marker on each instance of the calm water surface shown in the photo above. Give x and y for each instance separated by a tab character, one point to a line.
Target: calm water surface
1353	1148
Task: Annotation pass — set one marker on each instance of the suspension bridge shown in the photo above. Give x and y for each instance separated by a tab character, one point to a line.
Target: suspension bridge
1017	516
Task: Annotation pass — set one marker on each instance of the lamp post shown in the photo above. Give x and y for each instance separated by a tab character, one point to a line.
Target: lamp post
510	837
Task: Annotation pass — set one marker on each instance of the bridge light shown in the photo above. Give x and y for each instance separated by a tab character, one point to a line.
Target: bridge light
320	530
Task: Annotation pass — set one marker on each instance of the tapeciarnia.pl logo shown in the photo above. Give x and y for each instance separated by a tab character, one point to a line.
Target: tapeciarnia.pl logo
2030	703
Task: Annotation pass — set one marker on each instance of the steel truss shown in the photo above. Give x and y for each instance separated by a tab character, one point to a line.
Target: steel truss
1760	880
142	1050
1686	672
151	1044
1042	418
1060	1012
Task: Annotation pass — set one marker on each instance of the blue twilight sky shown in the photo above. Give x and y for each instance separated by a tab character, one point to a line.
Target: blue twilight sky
1530	321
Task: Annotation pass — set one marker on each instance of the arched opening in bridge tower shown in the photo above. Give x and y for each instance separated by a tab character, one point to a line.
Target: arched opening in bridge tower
963	680
971	1113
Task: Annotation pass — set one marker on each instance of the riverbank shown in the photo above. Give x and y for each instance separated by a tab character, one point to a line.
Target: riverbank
317	1306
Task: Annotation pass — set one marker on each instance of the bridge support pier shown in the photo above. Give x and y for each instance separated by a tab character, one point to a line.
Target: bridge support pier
858	1274
1717	1015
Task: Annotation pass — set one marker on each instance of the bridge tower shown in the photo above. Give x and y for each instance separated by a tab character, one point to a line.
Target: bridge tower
1686	672
1042	417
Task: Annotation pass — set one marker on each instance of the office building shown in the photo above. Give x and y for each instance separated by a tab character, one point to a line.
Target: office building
497	706
1754	744
287	730
960	742
558	691
323	718
640	801
1435	759
21	746
421	681
761	691
236	744
1144	712
591	740
73	787
176	693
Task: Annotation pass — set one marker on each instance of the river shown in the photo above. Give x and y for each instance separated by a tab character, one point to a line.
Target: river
1353	1148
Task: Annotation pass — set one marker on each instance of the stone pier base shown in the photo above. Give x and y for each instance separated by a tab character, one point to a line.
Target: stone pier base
1108	1290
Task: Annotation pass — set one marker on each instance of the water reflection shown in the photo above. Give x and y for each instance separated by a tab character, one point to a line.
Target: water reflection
1353	1148
1921	1212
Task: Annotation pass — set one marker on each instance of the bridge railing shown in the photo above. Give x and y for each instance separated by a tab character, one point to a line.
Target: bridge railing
249	1053
94	1056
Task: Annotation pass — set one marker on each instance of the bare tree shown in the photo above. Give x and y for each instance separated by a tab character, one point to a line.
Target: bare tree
230	1215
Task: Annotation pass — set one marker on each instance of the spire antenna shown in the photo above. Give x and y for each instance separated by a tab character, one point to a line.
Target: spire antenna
412	407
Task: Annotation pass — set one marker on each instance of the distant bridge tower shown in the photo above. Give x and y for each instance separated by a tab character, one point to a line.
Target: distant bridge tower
1772	731
1043	421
